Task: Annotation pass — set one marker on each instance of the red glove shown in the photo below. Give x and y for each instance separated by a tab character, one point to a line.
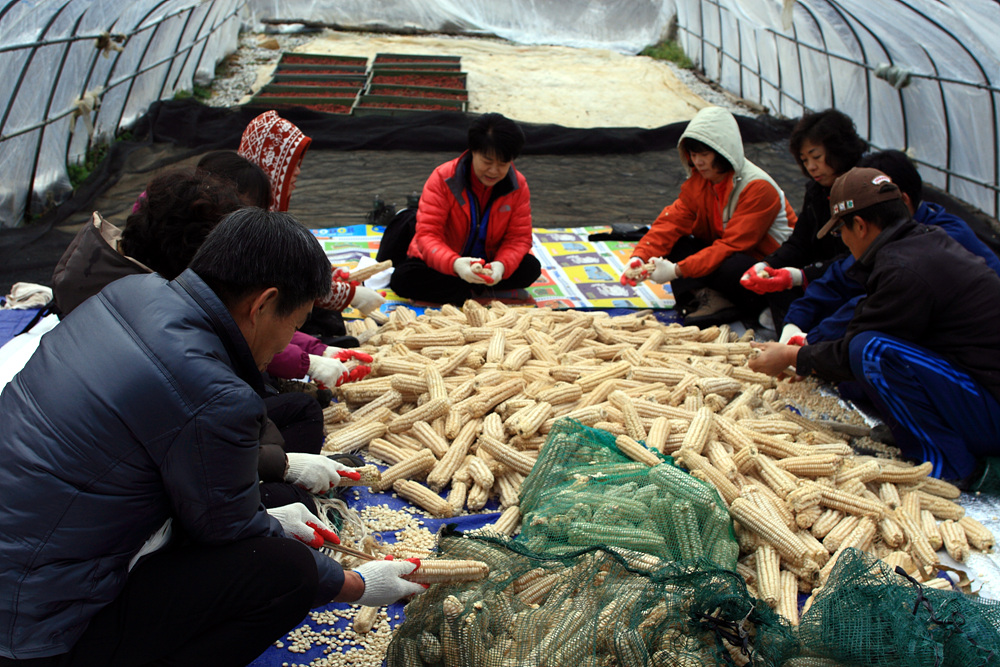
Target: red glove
762	279
634	273
348	355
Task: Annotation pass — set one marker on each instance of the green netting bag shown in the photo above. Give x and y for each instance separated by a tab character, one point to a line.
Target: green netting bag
584	492
588	608
866	614
988	481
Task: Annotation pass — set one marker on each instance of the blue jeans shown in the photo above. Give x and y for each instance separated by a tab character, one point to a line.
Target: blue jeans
935	410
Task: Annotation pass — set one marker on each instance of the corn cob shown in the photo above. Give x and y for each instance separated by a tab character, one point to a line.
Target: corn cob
919	546
508	487
839	500
447	365
415	341
636	451
335	412
388	452
788	601
497	347
509	522
415	466
901	559
365	620
585	533
480	472
940	507
509	457
430	438
488	400
805	518
353	437
911	505
930	527
891	532
955	542
435	383
609	371
364	391
443	470
723	386
457	494
898	474
864	472
811	465
370	476
477	497
839	533
889	494
429	411
561	393
778	480
445	571
532	419
768	574
859	538
825	523
669	376
939	487
699	431
420	495
803	497
767	499
978	535
815	549
785	542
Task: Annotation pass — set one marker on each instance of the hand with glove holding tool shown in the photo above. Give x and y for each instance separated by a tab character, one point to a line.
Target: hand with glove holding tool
355	361
635	272
316	473
384	582
300	523
792	335
331	372
762	279
464	269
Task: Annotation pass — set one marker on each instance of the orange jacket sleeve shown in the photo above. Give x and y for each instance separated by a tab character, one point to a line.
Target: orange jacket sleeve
758	205
676	220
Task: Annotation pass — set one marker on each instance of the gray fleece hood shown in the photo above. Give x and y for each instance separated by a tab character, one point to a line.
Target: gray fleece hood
717	128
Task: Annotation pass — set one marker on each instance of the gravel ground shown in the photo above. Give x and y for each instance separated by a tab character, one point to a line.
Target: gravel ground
239	71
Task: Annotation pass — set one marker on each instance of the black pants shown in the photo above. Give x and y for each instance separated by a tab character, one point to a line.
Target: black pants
300	421
413	279
725	279
198	605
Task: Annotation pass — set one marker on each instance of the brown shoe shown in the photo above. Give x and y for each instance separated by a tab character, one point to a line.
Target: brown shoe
710	308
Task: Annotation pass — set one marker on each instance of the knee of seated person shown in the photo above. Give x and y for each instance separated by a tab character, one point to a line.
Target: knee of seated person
290	567
856	350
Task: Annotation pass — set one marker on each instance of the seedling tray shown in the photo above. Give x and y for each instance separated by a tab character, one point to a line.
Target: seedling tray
418	91
323	60
436	79
283	77
303	100
311	91
412	58
320	69
387	105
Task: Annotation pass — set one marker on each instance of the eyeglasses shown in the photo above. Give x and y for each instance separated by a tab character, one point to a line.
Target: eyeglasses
836	229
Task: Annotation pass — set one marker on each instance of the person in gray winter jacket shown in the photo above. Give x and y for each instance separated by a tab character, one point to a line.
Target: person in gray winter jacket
131	527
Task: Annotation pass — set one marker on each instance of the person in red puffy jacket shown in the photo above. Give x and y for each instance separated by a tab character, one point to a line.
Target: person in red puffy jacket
473	223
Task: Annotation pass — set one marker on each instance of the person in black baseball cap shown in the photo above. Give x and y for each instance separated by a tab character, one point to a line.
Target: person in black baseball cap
924	343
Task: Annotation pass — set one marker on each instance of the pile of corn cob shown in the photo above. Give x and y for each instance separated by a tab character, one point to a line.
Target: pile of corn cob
463	399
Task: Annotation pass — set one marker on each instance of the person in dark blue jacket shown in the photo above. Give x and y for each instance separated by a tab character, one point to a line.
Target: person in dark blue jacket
828	305
131	527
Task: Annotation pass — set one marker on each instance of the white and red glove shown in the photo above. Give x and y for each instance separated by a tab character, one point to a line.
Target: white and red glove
496	270
384	583
331	372
300	523
792	335
762	279
366	299
463	269
664	270
316	473
356	373
634	272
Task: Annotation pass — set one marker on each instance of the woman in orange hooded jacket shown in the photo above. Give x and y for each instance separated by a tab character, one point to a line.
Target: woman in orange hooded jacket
729	214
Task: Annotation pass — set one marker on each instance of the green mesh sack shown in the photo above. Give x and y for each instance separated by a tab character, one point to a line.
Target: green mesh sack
588	608
866	614
989	481
584	492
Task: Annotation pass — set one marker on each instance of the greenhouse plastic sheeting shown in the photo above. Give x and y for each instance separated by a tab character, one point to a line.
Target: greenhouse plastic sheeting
936	95
50	58
828	54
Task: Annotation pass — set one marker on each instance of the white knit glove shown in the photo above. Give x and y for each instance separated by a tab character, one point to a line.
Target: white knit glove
314	472
664	270
384	583
792	335
463	269
330	372
498	271
366	299
300	523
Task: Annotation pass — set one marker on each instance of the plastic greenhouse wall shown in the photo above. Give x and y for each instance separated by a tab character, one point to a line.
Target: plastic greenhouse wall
54	52
914	74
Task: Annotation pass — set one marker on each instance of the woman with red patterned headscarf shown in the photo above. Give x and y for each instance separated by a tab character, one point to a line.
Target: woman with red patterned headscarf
276	146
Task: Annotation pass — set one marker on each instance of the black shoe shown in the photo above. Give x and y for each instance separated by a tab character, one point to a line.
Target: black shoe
710	307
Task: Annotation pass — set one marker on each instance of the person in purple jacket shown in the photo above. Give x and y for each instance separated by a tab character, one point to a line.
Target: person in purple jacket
828	305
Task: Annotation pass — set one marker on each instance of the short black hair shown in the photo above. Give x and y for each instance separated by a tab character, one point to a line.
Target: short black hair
251	182
836	132
254	249
883	214
898	166
689	145
496	135
178	210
